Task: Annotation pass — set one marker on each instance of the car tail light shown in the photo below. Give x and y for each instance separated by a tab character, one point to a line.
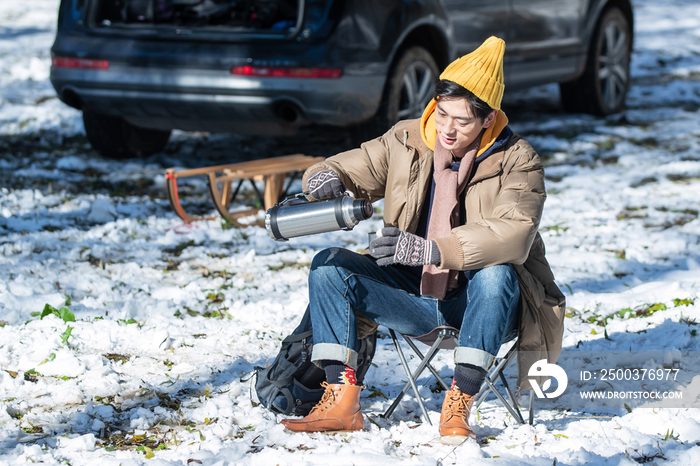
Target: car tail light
286	72
83	63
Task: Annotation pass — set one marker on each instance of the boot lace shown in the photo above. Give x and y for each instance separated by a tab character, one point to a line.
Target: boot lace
459	404
327	398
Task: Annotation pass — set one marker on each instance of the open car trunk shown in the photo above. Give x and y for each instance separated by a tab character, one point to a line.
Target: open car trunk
245	18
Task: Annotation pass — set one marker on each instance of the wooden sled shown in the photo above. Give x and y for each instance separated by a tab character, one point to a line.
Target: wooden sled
220	179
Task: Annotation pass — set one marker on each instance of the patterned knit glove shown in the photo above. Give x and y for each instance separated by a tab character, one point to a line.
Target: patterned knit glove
393	246
324	184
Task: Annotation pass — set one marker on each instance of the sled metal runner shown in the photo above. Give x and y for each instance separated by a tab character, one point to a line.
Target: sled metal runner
220	178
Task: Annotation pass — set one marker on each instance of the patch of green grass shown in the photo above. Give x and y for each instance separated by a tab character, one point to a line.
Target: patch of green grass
632	212
116	357
227	224
125	441
221	313
168	402
647	143
375	392
619	253
606	145
66	334
643	181
646	310
683	179
32	429
670	436
135	187
128	322
558	229
31	375
62	313
215	298
177	250
691	212
683	302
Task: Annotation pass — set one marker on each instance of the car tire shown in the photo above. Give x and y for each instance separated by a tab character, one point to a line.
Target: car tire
115	138
410	86
602	88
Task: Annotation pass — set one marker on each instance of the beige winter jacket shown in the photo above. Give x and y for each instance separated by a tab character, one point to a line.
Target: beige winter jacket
504	202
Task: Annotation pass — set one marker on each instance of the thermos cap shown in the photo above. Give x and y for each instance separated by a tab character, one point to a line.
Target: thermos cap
362	209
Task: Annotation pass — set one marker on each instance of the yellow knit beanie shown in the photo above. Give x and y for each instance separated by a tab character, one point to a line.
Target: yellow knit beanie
481	73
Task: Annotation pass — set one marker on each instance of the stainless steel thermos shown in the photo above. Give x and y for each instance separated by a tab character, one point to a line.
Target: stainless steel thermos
301	218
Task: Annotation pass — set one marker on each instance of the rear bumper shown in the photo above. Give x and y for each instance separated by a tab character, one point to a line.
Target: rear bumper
216	101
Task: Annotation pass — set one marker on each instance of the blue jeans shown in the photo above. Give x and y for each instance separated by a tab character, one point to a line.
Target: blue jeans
342	282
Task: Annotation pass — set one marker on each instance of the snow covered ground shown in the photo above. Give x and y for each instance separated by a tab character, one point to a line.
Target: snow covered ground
169	319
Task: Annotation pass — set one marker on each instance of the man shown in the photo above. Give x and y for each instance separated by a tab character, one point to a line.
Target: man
463	200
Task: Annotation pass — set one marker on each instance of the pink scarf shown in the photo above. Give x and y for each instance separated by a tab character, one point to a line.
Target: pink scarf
444	215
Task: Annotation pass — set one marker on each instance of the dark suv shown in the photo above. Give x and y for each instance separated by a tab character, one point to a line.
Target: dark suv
140	68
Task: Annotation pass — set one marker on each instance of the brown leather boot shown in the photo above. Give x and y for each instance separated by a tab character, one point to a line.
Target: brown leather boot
454	418
338	410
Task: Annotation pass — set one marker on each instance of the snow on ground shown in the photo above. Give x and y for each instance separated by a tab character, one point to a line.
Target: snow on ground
169	320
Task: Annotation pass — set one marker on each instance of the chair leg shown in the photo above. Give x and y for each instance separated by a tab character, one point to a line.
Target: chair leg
511	398
531	408
505	403
411	381
425	362
489	386
509	357
485	388
429	366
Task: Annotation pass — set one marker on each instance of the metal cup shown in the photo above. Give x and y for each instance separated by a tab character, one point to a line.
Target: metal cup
371	237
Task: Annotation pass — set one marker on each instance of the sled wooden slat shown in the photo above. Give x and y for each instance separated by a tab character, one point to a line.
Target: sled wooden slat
271	171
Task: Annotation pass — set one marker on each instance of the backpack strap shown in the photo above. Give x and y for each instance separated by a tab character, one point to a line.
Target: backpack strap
297	337
290	400
281	388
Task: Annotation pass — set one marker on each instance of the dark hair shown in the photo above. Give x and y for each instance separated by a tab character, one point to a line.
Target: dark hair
446	89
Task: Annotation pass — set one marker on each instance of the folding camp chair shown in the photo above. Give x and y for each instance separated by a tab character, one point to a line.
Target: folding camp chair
446	337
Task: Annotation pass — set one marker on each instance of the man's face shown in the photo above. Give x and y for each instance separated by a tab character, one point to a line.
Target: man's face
457	127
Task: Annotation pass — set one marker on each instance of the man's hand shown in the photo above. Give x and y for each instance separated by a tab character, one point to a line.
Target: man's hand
324	184
394	246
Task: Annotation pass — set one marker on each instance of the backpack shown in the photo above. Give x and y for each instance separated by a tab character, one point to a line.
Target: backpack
291	385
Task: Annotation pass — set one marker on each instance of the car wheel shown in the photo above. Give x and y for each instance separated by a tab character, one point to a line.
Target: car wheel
409	88
602	88
116	138
411	85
